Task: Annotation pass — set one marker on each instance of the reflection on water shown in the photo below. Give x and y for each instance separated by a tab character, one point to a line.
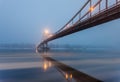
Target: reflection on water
26	67
69	73
46	65
59	66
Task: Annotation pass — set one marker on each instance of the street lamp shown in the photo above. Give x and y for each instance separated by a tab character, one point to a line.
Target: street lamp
91	9
46	32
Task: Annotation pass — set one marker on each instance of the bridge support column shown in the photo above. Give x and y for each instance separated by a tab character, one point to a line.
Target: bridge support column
45	47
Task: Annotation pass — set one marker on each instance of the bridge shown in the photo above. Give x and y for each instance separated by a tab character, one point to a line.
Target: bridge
92	13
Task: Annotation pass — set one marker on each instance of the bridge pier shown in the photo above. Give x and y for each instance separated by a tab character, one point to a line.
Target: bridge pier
43	47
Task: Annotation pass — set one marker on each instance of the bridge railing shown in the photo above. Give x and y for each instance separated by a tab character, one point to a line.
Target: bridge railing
92	10
103	10
71	20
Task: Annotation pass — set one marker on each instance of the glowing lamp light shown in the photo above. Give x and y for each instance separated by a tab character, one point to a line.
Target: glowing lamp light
50	35
50	64
66	76
46	31
91	9
70	76
45	66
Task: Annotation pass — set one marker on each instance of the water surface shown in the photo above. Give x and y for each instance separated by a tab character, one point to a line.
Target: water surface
29	66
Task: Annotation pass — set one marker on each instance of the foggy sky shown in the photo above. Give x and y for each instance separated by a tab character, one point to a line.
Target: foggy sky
23	21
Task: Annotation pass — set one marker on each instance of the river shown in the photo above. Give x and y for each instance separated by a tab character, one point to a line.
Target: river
56	66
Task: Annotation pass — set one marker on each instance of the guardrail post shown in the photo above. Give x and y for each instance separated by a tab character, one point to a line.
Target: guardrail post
99	7
106	4
116	1
90	7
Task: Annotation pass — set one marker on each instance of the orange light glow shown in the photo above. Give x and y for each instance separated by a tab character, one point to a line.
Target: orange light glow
50	35
91	9
45	66
70	76
46	31
50	64
66	76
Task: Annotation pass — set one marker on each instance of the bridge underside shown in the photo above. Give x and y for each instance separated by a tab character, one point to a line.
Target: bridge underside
100	18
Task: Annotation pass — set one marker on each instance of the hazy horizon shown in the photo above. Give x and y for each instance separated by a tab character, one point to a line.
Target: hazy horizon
24	21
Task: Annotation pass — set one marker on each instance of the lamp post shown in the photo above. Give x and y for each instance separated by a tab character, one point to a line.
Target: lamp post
46	34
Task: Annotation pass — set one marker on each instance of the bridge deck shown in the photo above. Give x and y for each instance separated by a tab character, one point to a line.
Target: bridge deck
97	19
